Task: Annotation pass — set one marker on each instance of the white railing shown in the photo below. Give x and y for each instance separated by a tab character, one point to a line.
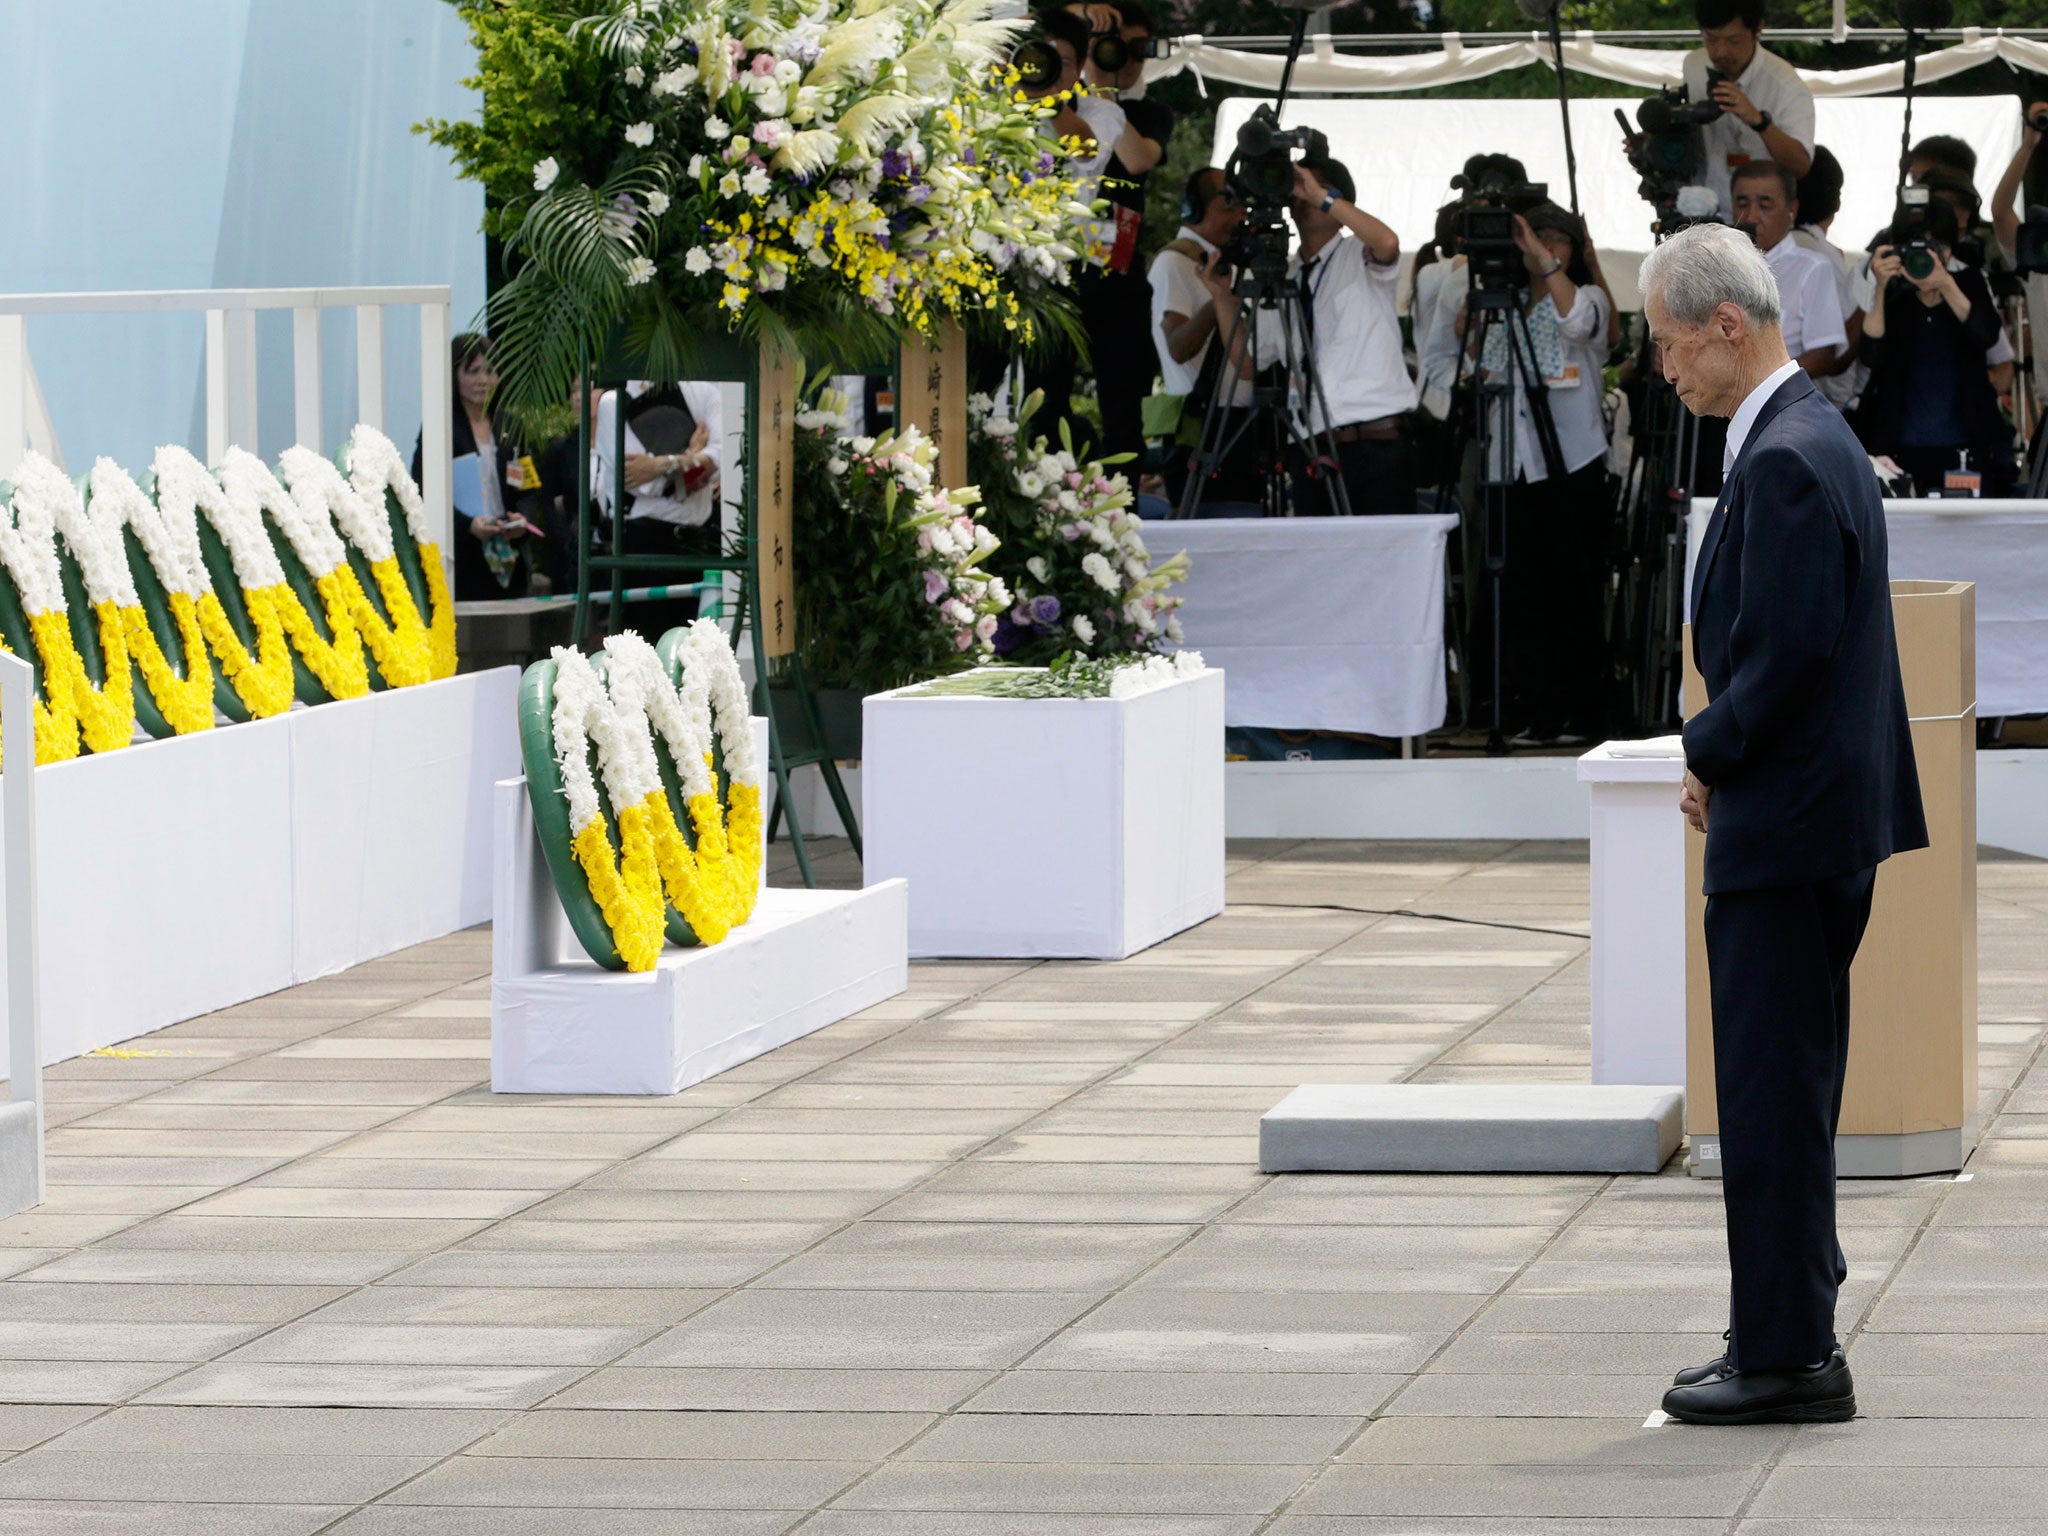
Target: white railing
24	1015
231	370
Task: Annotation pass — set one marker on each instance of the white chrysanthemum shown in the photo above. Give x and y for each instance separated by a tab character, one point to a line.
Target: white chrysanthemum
1084	631
186	491
321	493
28	546
114	502
373	466
1039	570
698	262
717	129
657	203
635	76
1099	571
1188	663
102	561
640	135
253	491
756	182
673	82
544	173
639	271
584	713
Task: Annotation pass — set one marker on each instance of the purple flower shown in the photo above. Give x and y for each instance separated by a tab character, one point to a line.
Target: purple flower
1045	164
934	586
895	165
967	156
1007	637
1045	609
918	195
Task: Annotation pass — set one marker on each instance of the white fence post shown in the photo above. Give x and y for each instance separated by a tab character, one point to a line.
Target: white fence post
437	429
13	393
241	381
216	385
370	365
18	806
306	377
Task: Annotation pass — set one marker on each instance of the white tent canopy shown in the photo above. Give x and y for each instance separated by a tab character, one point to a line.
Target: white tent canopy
1404	153
1323	70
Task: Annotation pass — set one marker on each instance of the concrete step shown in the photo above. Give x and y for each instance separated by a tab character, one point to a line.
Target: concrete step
1472	1128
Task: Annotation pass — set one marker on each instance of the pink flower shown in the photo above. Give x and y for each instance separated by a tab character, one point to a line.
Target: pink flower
1073	480
934	583
963	639
924	544
1070	531
985	627
764	64
734	49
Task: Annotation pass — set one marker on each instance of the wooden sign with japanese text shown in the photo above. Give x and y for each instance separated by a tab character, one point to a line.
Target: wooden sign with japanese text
933	398
774	502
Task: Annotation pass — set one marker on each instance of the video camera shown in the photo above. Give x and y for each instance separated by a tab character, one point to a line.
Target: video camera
1260	179
1494	194
1668	152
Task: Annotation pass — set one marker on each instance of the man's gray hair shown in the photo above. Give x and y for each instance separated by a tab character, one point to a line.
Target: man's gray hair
1701	268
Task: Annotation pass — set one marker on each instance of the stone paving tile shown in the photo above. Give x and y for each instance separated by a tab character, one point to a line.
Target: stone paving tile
86	1517
1004	1264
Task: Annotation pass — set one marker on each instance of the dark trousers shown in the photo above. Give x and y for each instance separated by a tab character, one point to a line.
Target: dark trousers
1379	477
1778	967
1551	650
1116	308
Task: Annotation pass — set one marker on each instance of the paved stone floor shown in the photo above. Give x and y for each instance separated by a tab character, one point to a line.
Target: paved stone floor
991	1260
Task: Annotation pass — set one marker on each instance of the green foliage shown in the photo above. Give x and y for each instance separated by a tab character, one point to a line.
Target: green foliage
545	93
1067	677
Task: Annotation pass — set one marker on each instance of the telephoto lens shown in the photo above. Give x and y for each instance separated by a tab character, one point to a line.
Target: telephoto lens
1038	65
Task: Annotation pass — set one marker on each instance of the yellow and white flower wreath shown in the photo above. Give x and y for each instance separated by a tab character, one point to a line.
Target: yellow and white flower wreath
103	714
374	470
115	505
712	885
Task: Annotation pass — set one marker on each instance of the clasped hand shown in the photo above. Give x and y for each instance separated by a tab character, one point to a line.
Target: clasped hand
1692	800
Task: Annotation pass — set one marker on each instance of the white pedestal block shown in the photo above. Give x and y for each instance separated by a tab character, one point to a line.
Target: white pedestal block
1078	828
182	876
1638	910
562	1024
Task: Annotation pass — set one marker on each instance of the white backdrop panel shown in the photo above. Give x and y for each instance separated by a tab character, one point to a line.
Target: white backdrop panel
1404	153
391	816
164	885
1324	623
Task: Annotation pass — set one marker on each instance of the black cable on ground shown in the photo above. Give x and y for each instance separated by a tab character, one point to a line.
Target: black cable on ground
1427	917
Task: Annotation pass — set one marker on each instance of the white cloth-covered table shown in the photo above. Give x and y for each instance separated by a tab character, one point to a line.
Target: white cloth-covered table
1319	623
2000	545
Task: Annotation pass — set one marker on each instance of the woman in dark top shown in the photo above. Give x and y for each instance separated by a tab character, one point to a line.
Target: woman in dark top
496	548
1930	398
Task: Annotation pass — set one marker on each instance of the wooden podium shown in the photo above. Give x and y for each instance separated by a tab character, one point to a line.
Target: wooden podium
1913	992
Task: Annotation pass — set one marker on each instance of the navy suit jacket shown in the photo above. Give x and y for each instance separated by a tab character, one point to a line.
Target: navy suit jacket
1805	745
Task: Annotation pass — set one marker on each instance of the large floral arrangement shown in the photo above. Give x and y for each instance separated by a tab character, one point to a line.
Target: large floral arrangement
891	578
1073	549
843	170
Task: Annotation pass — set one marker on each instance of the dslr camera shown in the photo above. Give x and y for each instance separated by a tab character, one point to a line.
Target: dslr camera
1494	194
1913	233
1110	52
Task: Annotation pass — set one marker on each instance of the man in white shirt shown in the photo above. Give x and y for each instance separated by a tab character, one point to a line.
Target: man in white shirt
1348	265
1185	324
1766	109
1809	292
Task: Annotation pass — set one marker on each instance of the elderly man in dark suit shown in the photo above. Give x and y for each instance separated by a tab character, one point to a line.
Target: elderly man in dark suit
1800	772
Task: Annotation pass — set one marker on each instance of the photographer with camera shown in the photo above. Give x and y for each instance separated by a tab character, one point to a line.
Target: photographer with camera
1766	109
1114	299
1191	303
1556	522
1809	297
2023	240
1051	65
1347	268
1929	401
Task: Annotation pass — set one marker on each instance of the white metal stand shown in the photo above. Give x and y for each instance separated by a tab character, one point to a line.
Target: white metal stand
21	1117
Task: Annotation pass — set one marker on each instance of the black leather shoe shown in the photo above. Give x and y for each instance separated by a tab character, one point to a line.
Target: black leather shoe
1693	1375
1818	1394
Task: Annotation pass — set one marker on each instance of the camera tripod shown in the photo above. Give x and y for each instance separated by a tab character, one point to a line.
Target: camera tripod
1486	419
1646	616
1270	419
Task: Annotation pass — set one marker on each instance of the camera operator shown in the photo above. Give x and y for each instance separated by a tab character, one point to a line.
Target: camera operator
1925	333
1189	293
1348	265
1556	524
1114	298
1098	123
2007	223
1809	297
1766	109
